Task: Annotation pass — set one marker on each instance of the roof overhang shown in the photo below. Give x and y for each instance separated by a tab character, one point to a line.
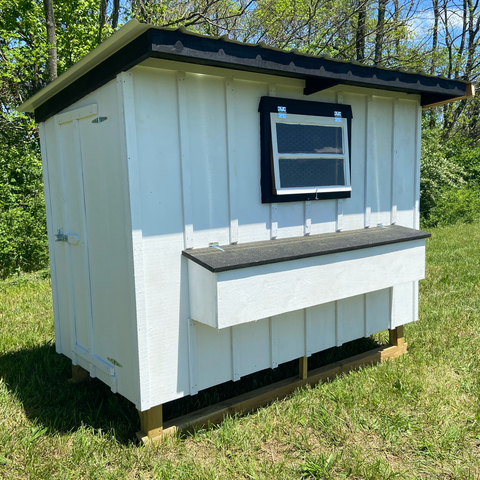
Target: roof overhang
136	42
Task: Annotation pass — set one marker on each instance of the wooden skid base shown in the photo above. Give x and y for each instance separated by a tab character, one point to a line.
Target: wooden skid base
263	396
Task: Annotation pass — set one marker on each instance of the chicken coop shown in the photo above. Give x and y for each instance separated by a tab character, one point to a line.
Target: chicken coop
217	208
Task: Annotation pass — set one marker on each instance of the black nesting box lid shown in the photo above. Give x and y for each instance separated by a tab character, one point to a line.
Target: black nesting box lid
233	257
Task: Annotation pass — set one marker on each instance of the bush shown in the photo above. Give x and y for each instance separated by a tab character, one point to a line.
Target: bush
23	236
455	206
439	172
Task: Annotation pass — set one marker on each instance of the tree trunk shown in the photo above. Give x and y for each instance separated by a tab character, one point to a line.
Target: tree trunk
361	31
115	12
101	19
51	39
380	31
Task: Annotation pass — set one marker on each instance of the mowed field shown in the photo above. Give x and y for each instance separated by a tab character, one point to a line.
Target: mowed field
415	417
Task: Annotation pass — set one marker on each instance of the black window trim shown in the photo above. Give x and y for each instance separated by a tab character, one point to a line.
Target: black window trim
299	107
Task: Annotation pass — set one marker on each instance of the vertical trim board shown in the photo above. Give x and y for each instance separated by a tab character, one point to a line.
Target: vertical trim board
50	236
73	329
78	152
231	158
192	356
395	148
130	152
185	159
368	156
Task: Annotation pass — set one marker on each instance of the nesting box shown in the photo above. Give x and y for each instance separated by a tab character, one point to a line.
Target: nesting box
217	208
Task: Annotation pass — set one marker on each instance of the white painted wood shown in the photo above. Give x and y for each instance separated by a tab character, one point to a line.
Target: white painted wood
291	335
192	356
234	297
308	218
308	332
191	139
395	154
48	191
66	183
416	182
77	114
214	356
59	276
377	311
253	346
350	318
339	215
402	305
236	360
354	207
369	155
379	170
273	343
322	326
185	160
405	150
232	172
274	220
128	131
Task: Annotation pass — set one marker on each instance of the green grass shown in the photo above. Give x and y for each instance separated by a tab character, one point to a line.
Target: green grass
415	417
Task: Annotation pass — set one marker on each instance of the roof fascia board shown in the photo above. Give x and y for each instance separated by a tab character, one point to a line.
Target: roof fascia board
112	44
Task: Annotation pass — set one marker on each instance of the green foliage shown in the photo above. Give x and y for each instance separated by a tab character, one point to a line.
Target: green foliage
23	241
455	206
439	173
450	178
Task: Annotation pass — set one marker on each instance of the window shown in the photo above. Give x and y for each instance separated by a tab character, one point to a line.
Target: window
305	150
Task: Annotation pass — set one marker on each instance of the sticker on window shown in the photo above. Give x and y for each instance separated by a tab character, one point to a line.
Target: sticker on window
282	112
338	116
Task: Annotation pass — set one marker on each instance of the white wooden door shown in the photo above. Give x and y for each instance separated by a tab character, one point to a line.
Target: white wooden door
73	238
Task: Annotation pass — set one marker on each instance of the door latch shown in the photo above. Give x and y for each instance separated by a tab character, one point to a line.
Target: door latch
63	237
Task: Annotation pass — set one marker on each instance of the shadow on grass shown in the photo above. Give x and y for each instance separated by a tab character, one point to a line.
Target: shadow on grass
38	377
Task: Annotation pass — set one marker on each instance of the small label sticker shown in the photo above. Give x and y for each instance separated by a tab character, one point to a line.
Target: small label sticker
338	116
282	112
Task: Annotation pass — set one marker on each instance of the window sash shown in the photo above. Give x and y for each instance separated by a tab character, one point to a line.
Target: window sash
309	120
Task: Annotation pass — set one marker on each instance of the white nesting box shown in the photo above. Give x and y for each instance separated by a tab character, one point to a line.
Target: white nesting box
304	171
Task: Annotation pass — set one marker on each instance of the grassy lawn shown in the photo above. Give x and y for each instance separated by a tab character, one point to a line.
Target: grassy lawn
415	417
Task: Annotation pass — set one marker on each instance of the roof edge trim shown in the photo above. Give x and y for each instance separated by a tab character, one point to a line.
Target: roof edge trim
112	44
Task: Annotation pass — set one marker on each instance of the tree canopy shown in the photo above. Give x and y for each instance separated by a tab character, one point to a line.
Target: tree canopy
42	38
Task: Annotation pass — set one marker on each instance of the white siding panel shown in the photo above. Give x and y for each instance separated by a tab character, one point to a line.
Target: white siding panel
353	208
402	304
380	160
208	159
377	311
350	319
214	358
166	277
290	330
253	346
322	326
405	152
253	217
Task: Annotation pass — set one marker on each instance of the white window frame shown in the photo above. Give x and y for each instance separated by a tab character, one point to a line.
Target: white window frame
310	120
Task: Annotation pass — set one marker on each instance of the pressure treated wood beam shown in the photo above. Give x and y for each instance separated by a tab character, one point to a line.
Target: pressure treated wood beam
263	396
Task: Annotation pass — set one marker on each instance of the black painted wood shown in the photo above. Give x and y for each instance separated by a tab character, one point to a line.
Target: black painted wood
300	107
234	257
